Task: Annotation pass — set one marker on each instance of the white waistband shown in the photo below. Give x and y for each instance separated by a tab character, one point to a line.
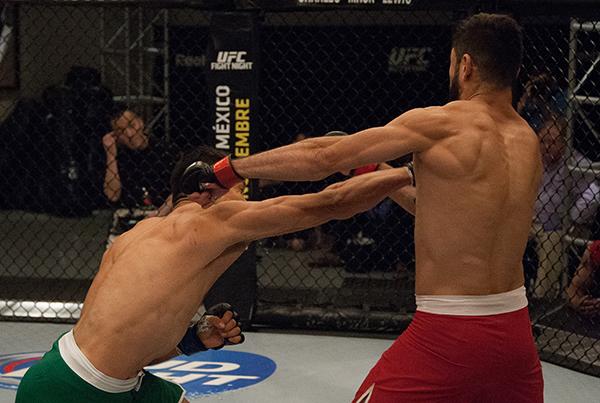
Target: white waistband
473	305
79	363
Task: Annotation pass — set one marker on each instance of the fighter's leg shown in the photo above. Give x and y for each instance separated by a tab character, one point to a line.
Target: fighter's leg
408	374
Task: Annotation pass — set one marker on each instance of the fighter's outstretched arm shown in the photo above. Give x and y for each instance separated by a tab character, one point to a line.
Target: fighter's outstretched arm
248	221
317	158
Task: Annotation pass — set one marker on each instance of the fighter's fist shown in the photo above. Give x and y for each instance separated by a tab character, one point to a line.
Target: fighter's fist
199	173
220	326
195	175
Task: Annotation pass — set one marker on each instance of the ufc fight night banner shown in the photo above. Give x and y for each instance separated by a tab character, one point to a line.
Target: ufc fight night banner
231	73
232	79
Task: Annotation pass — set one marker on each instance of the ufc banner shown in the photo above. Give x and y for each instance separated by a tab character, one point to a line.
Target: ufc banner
232	88
232	80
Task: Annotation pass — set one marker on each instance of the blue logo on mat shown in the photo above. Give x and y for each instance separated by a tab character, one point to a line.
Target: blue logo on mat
204	373
217	371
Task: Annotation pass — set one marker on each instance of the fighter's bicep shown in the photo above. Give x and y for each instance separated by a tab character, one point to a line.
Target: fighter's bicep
373	145
414	131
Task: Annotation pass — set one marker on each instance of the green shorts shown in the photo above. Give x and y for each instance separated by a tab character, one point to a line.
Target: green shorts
52	381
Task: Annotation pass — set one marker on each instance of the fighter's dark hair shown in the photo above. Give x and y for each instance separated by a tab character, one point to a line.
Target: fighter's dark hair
495	43
203	153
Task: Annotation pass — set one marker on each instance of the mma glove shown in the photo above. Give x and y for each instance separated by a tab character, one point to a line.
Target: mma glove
221	173
360	170
191	343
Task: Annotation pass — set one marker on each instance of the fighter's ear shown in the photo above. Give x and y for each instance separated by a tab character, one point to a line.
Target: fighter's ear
467	65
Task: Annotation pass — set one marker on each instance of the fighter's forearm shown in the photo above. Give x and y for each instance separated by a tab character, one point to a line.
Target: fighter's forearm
301	161
364	192
405	197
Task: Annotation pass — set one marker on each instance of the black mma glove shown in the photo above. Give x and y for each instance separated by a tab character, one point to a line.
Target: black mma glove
191	343
221	173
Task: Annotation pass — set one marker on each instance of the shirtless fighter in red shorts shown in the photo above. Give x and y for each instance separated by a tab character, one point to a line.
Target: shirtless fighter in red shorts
478	168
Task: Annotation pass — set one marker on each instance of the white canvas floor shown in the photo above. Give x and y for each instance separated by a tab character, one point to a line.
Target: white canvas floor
310	368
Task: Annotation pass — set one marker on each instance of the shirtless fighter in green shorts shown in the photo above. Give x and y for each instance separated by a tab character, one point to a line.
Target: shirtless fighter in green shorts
154	277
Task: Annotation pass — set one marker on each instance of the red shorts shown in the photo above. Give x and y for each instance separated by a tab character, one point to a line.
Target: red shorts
449	358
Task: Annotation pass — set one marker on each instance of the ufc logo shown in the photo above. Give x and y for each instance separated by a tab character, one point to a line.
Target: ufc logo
231	57
409	59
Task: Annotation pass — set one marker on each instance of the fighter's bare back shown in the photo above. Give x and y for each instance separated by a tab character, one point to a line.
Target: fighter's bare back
143	298
476	188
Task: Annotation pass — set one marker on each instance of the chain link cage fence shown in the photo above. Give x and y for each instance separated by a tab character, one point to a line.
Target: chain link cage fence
98	100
